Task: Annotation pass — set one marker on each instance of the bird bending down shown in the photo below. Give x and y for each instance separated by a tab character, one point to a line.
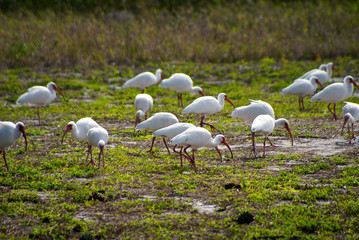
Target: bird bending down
143	105
39	96
157	121
322	75
197	137
250	112
97	137
172	131
302	88
307	75
350	113
9	132
265	124
335	92
207	105
180	83
144	80
80	129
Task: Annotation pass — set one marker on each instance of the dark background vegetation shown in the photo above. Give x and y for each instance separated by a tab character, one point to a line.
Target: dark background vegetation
97	33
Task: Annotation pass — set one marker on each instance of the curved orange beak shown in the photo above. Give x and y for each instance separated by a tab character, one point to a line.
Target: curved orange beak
57	89
290	132
68	128
317	82
22	130
345	122
226	144
227	99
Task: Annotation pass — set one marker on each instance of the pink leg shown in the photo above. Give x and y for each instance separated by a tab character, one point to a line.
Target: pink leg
203	123
219	153
38	115
164	141
192	158
153	141
264	147
333	113
3	153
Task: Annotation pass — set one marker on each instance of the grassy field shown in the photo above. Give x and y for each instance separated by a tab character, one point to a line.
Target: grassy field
299	192
246	49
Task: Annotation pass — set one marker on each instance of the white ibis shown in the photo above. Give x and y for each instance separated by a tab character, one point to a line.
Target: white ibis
197	137
39	96
97	137
322	75
143	105
322	67
250	112
144	80
206	106
335	92
172	131
80	129
157	121
265	124
180	83
302	88
9	132
350	113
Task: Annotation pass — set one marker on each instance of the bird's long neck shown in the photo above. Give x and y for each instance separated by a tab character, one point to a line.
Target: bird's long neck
221	101
216	141
75	131
140	114
329	71
350	118
158	76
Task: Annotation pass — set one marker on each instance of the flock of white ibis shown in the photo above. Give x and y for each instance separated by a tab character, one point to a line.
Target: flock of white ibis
258	114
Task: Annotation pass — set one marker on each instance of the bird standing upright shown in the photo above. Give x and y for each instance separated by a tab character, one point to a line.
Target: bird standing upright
39	96
180	83
9	132
97	137
265	124
302	88
207	105
144	80
335	92
197	137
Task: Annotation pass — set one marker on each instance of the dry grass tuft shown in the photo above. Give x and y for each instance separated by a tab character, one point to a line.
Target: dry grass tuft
215	33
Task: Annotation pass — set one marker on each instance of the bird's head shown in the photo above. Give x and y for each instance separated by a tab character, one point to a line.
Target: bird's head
227	99
69	128
53	85
21	128
333	67
198	90
351	80
316	80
